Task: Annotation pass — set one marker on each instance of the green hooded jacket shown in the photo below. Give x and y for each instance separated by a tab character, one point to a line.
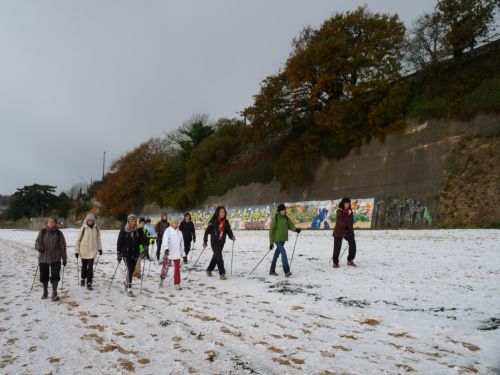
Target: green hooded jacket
149	237
280	224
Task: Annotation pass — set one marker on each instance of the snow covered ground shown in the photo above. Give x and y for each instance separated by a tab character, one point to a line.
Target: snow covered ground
423	301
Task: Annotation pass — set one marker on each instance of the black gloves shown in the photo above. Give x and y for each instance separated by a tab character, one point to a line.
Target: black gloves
271	246
41	250
65	262
119	258
100	252
298	230
76	255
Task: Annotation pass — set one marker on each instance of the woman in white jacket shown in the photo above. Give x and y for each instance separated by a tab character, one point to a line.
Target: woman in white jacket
172	246
87	246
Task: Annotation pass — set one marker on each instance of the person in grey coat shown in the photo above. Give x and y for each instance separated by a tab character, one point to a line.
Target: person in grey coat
51	246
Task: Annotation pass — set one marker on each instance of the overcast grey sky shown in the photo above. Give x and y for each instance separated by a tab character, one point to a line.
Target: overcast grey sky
81	77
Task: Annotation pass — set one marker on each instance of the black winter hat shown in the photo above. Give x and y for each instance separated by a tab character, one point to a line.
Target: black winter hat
281	207
142	220
344	200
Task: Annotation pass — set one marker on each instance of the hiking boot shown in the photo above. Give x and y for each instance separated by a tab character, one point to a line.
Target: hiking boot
89	286
288	274
222	276
272	273
336	265
351	263
45	291
209	273
129	292
185	259
55	297
82	282
178	286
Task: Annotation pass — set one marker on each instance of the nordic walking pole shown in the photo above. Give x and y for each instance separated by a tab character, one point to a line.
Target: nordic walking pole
118	265
36	272
232	253
149	269
77	270
142	275
260	261
62	282
195	263
293	252
97	263
345	248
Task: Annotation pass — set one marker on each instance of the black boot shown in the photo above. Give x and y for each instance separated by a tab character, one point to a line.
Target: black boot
89	286
45	290
82	282
55	297
185	259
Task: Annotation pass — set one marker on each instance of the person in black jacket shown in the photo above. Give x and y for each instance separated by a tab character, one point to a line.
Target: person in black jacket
189	234
218	228
128	246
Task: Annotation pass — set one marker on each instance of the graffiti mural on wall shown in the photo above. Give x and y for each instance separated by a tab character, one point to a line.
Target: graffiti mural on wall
322	214
306	215
402	213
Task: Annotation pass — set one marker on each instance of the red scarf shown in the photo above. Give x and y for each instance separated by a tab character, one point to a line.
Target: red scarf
221	227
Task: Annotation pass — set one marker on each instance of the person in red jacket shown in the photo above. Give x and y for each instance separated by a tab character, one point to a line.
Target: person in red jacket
344	228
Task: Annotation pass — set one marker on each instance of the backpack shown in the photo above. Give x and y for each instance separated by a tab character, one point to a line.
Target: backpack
83	233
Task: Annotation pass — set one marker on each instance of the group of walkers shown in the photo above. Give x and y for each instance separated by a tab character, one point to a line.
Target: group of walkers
173	241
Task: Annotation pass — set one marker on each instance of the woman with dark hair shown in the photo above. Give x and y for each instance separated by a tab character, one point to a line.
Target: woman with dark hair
218	228
189	234
344	228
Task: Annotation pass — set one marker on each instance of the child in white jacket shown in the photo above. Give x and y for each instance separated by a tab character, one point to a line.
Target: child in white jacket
172	246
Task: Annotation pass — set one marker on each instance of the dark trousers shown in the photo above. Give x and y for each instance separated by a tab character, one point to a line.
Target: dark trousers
158	247
337	244
130	263
50	272
88	270
217	259
187	247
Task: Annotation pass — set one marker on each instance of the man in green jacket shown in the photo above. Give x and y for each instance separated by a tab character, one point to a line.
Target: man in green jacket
278	234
